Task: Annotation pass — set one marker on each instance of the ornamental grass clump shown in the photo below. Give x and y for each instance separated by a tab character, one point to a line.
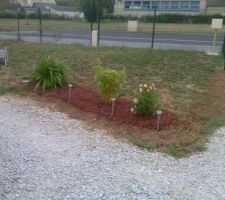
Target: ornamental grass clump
109	81
49	74
148	100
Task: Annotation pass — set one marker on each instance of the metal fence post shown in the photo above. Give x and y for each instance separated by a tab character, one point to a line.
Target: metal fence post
153	30
91	15
18	23
223	52
98	21
40	23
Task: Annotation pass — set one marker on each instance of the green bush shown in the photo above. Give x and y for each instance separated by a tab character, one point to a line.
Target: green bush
109	81
148	100
49	74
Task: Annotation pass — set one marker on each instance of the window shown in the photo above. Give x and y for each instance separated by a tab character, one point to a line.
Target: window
137	5
127	4
195	5
175	5
185	5
162	5
155	4
146	5
165	5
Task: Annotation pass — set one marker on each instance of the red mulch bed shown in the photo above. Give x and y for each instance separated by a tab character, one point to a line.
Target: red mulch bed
90	101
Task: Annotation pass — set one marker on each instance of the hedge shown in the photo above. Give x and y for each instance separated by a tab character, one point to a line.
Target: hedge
161	18
33	15
167	18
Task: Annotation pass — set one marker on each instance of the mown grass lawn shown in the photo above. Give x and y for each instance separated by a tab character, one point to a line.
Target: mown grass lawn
183	77
11	25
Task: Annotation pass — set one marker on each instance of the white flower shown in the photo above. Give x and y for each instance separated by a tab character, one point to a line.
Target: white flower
140	85
145	85
140	90
150	87
132	109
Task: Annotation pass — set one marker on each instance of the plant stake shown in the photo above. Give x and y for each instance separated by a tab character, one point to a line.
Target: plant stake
159	114
70	90
113	105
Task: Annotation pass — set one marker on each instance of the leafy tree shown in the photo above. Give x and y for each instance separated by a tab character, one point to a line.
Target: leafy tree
90	7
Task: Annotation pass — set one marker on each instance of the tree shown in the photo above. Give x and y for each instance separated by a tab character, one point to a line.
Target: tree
90	7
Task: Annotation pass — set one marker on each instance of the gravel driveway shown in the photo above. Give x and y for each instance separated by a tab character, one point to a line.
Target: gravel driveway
46	155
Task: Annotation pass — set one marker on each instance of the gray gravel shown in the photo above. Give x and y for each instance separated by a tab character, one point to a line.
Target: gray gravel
46	155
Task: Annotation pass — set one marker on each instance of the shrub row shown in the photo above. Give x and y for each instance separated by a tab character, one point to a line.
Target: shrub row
161	18
167	18
35	15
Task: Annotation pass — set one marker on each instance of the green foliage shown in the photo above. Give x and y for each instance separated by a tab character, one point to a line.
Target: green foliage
148	100
49	74
109	81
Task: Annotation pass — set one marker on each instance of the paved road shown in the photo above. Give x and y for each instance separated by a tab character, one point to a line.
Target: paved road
138	39
45	155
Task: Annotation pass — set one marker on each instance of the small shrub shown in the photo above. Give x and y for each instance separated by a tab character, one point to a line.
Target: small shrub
49	74
148	100
109	81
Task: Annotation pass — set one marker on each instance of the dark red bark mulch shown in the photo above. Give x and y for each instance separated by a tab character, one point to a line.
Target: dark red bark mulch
90	101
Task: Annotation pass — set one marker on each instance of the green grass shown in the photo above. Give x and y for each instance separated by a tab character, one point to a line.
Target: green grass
176	151
212	124
179	75
5	88
11	24
144	144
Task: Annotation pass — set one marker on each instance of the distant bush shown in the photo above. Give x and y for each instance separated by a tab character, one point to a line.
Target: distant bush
148	100
109	81
49	74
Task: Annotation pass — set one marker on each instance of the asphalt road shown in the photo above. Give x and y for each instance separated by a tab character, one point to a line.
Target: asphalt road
197	40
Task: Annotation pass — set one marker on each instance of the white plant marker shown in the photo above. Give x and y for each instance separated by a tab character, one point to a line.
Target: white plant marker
113	105
70	90
159	114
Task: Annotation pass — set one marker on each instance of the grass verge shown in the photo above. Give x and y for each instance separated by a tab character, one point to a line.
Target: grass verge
31	24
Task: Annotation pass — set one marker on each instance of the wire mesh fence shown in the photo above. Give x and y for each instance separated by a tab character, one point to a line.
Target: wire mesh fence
39	27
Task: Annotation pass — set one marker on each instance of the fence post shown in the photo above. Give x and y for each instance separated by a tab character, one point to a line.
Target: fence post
91	15
40	23
18	23
223	52
98	21
153	30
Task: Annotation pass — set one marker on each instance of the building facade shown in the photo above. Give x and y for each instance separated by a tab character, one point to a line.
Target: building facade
146	7
215	7
29	3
